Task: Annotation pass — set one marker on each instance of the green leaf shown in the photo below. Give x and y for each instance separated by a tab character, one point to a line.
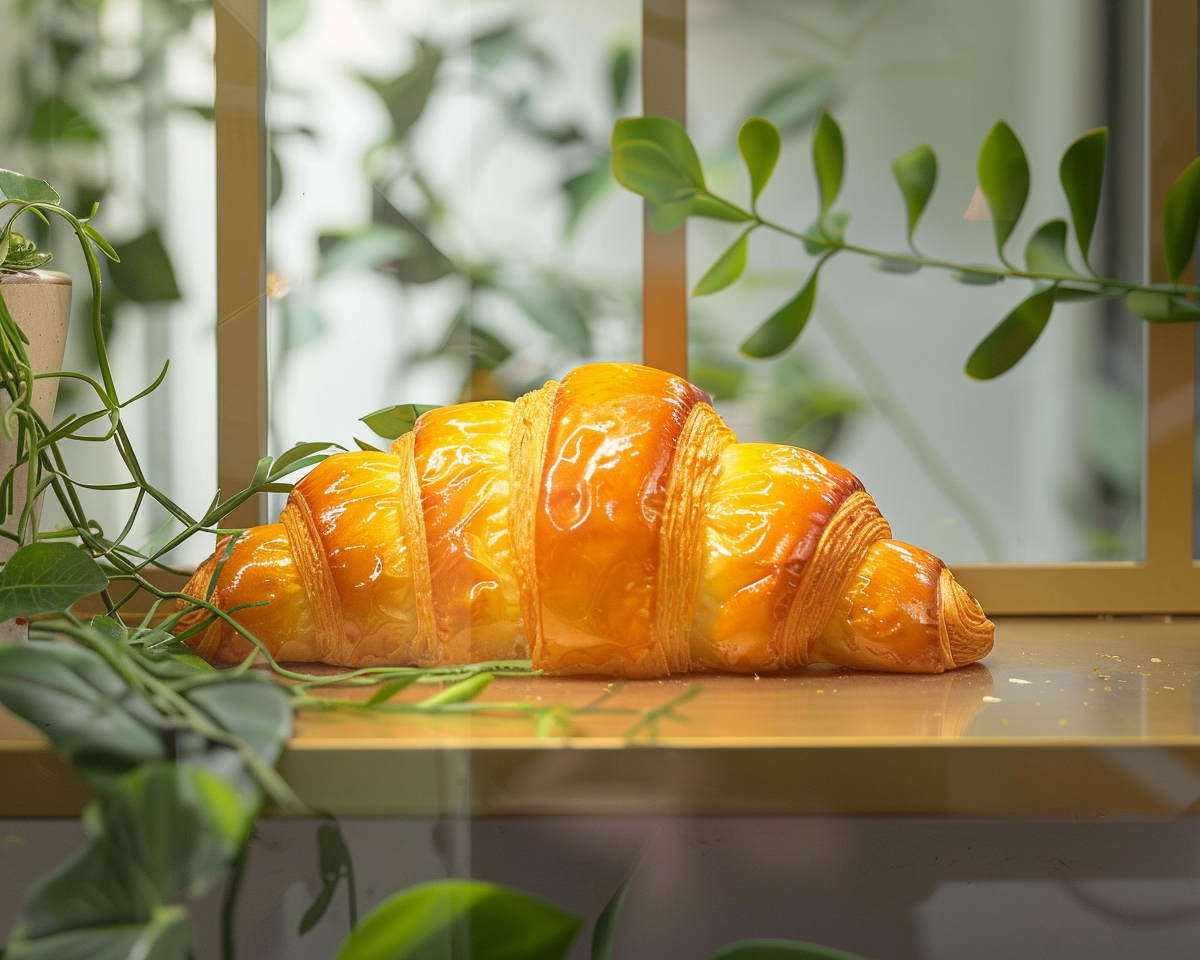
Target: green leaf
977	278
166	937
792	103
759	143
559	305
363	445
647	169
254	708
76	699
462	692
620	70
896	265
393	422
1181	219
1082	176
585	187
916	173
605	931
727	269
56	120
670	137
287	17
16	186
831	228
663	218
371	249
1004	180
407	95
780	330
105	247
716	208
47	578
1012	337
1162	307
333	862
388	690
274	178
489	922
300	452
781	950
145	273
829	159
1046	251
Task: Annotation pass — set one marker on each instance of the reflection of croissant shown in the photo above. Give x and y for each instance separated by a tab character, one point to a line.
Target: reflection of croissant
608	524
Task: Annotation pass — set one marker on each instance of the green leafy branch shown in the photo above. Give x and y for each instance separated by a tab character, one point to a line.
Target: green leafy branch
655	158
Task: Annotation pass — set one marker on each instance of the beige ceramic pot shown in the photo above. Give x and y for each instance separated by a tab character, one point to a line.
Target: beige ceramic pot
40	303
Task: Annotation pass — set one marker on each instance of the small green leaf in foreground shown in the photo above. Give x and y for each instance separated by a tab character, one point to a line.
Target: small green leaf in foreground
1013	336
423	922
916	173
1004	180
758	142
670	137
728	267
780	330
393	422
829	158
1181	219
47	578
1082	176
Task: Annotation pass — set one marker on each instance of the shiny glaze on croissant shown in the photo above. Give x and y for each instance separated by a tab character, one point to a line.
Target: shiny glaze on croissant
609	524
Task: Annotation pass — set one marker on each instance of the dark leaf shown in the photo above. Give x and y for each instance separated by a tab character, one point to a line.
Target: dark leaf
829	159
780	330
393	422
1181	219
781	950
793	102
1046	251
1004	180
896	265
145	273
1013	336
1162	307
86	709
584	188
166	937
620	70
363	445
726	270
491	923
605	931
55	120
301	451
254	708
759	144
16	186
274	178
333	861
916	173
1082	176
312	916
47	578
407	95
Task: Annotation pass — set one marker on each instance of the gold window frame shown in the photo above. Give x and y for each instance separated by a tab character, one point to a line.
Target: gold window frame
1166	581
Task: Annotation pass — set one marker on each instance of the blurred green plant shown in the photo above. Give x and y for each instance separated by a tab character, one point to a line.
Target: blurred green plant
654	157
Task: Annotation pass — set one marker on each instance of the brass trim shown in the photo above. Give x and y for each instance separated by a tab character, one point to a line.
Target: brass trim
664	256
241	171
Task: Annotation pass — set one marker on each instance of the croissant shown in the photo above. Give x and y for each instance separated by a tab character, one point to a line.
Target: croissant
608	524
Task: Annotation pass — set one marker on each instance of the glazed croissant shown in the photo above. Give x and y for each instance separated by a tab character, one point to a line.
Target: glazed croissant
608	524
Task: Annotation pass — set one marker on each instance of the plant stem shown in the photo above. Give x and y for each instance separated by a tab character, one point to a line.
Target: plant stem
229	902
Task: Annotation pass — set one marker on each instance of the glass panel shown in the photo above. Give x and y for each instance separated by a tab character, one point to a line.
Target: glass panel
445	223
1042	464
115	107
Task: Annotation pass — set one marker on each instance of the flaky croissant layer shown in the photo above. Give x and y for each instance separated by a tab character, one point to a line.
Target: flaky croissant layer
609	524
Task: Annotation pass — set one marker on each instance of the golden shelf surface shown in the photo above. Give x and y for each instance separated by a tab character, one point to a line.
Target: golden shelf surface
1067	716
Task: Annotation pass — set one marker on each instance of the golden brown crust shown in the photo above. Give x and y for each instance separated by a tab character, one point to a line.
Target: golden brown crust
967	634
425	647
843	544
526	460
681	557
312	567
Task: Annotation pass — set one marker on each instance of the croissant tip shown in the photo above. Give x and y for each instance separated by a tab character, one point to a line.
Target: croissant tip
969	633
